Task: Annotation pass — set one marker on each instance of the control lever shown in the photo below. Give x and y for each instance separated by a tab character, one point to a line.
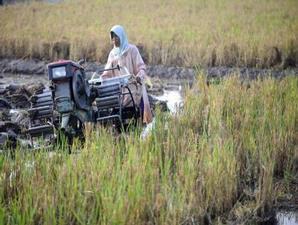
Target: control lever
81	61
113	68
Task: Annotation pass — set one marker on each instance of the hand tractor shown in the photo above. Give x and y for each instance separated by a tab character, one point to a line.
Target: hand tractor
72	100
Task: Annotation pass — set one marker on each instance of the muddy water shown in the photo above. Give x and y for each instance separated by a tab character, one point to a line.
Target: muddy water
173	92
173	98
287	217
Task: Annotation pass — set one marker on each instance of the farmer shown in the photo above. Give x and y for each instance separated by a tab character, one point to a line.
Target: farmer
127	56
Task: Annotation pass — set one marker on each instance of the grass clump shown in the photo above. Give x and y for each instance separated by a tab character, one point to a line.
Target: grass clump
183	32
230	138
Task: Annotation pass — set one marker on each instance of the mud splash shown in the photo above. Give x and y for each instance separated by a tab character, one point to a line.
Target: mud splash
173	98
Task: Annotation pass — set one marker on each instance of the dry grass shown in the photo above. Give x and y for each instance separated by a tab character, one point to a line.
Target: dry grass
182	32
230	139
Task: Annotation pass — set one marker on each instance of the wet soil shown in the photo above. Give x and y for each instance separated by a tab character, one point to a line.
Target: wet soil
20	66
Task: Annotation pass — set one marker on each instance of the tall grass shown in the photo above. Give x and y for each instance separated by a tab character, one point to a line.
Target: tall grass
182	32
229	138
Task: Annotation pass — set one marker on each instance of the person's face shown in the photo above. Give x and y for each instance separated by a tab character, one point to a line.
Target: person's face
115	40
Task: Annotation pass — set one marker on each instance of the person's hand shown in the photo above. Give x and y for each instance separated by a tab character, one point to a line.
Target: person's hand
102	77
139	79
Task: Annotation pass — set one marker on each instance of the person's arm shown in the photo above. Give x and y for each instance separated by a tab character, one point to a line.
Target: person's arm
139	65
110	73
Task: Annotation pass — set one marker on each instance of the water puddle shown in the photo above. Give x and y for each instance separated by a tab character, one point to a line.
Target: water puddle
173	98
174	101
173	94
287	217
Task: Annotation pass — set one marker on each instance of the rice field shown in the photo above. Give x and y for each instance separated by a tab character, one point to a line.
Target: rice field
230	139
181	32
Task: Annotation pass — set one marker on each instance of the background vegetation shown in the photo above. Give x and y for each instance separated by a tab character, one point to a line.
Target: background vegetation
182	32
219	159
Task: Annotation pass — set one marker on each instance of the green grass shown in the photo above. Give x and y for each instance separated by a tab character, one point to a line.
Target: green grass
182	32
230	137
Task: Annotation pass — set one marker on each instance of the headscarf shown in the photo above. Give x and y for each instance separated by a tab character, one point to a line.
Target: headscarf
120	32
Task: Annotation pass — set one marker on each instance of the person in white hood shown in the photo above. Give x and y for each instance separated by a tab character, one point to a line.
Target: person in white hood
127	55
